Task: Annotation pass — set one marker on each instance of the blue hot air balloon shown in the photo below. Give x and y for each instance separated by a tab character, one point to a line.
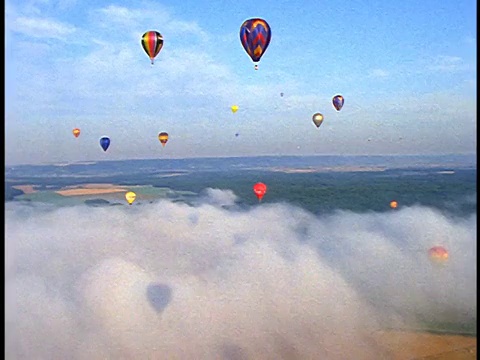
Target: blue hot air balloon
105	143
338	101
255	35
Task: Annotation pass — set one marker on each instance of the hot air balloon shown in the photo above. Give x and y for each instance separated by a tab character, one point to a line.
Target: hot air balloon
438	254
76	132
317	119
338	101
163	138
152	42
234	108
130	196
281	94
393	204
105	142
255	35
260	189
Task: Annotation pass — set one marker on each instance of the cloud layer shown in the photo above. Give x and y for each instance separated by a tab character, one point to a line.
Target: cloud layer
168	280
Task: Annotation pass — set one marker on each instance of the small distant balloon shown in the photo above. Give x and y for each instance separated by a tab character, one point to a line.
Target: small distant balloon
317	119
152	43
438	254
163	138
281	94
159	296
393	204
338	101
236	134
234	108
105	142
130	196
76	132
259	189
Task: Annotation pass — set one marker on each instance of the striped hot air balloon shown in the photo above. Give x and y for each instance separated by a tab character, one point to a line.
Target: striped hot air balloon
152	42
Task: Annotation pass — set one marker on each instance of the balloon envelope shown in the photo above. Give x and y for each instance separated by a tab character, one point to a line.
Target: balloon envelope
338	101
163	138
438	254
159	296
393	204
234	108
259	189
152	43
105	143
255	35
76	132
317	119
130	196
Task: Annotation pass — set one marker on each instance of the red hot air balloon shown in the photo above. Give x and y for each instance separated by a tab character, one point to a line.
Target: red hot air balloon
260	189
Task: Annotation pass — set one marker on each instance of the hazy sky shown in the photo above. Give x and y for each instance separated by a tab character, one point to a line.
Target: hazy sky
270	282
407	71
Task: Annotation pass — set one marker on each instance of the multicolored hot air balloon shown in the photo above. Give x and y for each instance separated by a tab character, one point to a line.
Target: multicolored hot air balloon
105	142
255	35
152	42
338	101
234	108
76	132
259	189
130	196
438	254
163	138
317	119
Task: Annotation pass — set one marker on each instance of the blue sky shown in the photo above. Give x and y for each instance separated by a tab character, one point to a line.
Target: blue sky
407	71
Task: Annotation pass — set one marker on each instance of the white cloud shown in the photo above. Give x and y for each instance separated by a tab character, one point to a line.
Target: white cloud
43	28
243	281
445	63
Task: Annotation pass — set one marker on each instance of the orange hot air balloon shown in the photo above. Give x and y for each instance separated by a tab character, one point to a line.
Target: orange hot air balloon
76	132
260	189
393	204
438	254
163	138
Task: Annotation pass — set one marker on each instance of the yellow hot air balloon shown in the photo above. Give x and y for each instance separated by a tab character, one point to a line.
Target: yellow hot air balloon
163	138
317	119
130	196
234	108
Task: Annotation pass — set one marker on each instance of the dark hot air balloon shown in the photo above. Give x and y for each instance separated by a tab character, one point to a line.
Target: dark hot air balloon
105	142
338	101
255	35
